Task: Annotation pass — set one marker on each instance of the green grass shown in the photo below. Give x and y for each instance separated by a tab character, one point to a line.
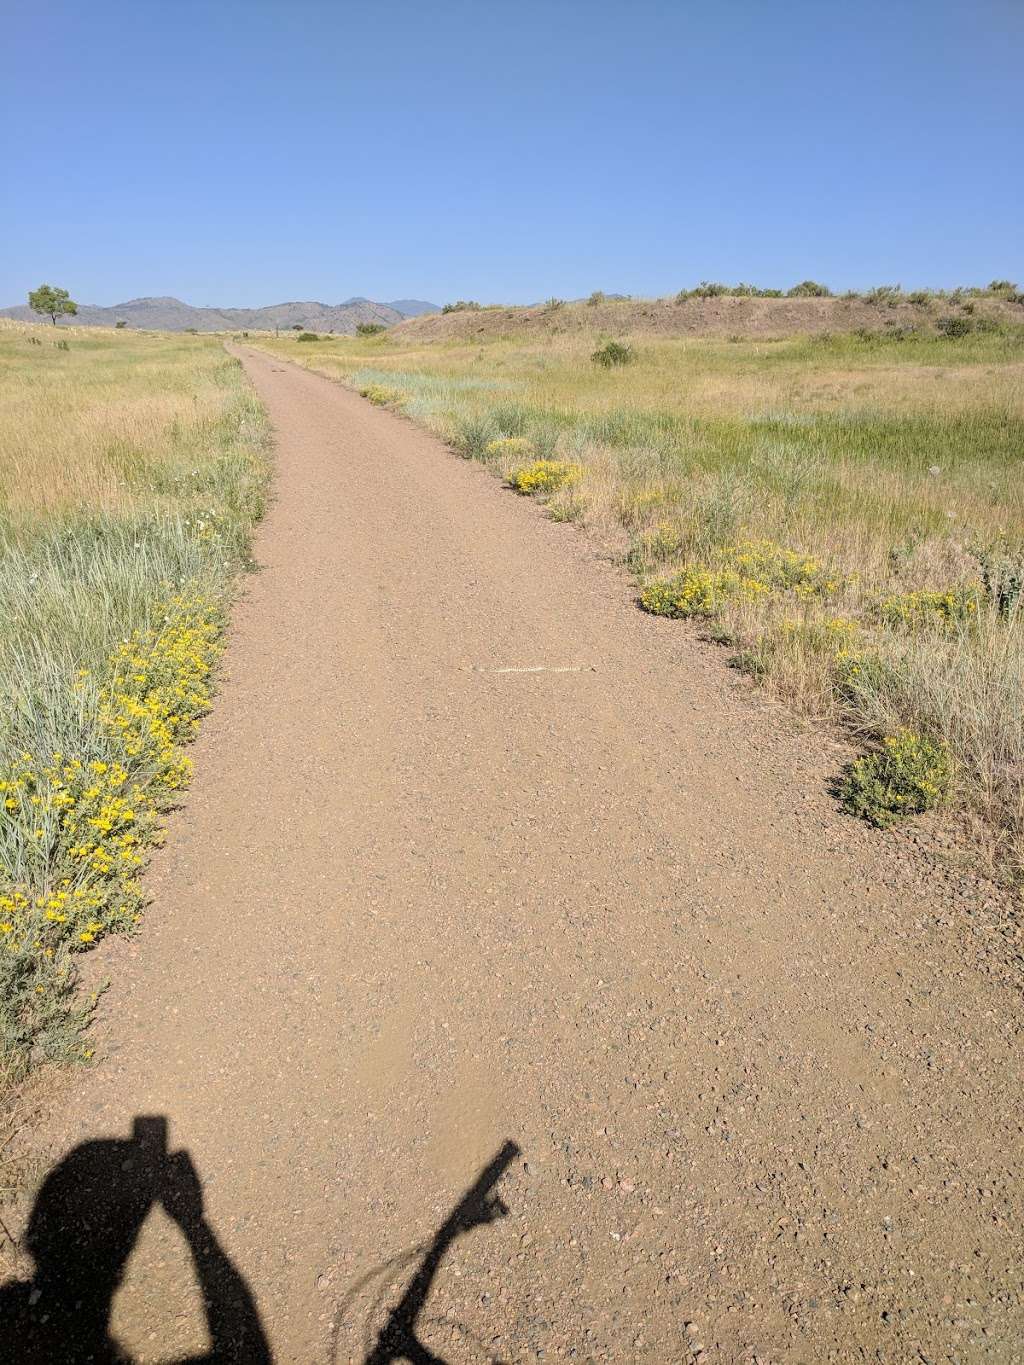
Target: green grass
894	460
133	469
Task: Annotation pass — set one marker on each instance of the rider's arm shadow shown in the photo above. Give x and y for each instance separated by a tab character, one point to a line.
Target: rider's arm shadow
85	1222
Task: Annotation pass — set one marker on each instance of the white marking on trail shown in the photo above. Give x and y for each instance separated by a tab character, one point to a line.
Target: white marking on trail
540	669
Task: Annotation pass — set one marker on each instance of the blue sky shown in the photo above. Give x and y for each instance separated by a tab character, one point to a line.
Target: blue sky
249	151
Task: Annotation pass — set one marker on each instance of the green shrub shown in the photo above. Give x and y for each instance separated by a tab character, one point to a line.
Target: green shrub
307	336
953	327
809	289
120	323
919	297
884	295
369	329
379	394
909	774
1002	575
461	306
613	353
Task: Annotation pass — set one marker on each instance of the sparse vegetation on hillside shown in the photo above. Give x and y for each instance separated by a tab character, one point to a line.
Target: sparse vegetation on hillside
132	470
887	462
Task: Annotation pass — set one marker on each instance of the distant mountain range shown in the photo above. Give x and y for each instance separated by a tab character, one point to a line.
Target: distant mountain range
171	315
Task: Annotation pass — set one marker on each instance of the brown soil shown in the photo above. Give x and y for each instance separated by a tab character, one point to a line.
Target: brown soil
477	853
725	316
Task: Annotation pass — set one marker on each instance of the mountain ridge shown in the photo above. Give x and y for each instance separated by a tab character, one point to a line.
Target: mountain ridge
165	313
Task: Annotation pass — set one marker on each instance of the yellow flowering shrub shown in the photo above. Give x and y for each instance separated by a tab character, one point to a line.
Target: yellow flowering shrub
380	394
699	592
907	775
778	567
930	610
544	476
746	571
510	447
74	832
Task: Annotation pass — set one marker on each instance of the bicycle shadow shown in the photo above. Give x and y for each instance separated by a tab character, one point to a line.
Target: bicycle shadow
84	1224
398	1339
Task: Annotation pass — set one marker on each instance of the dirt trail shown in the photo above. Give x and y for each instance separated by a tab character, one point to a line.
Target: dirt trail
762	1079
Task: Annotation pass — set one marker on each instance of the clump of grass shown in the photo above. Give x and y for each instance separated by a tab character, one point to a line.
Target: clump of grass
544	476
907	775
613	353
380	394
510	448
307	336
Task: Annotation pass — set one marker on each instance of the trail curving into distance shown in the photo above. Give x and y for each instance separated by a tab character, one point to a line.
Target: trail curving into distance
517	990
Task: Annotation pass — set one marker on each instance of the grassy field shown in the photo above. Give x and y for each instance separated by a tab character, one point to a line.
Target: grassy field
132	470
845	512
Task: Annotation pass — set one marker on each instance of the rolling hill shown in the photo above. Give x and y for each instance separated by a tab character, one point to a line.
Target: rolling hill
172	315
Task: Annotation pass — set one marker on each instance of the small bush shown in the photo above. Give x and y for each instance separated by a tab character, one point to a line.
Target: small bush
461	306
1002	575
613	353
598	296
380	394
510	447
953	327
698	592
929	610
908	775
919	297
779	568
809	289
544	476
552	305
120	323
369	329
307	336
62	345
884	295
655	546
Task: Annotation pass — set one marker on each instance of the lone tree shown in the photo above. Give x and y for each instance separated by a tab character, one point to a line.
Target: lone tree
52	302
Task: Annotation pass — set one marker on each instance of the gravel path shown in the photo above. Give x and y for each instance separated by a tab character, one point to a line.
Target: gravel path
479	854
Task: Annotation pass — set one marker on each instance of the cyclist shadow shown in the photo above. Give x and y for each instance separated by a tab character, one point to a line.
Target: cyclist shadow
85	1221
